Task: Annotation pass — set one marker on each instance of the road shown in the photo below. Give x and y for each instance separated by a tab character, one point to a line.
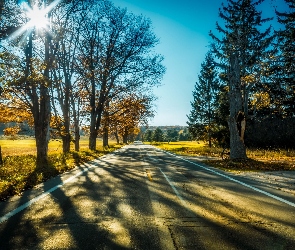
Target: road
140	197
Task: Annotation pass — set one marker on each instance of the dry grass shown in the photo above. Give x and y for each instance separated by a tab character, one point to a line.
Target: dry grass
28	146
258	159
19	171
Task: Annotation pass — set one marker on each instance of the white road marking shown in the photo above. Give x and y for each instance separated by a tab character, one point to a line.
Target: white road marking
174	189
30	202
237	181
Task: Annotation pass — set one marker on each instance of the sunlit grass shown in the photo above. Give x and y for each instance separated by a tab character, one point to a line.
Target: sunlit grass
193	148
19	171
28	146
258	159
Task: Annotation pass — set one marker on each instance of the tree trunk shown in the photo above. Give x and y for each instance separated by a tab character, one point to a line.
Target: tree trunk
93	131
42	140
117	137
1	159
237	147
66	143
76	118
125	136
105	139
42	113
77	138
92	140
66	137
209	139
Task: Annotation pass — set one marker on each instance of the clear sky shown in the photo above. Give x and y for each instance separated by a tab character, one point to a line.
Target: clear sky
182	27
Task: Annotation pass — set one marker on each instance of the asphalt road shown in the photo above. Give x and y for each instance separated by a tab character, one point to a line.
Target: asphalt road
143	198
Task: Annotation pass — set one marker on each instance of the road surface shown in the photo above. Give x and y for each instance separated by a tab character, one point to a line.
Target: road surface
140	197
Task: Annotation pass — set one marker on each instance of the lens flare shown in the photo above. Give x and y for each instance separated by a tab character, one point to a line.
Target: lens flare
37	17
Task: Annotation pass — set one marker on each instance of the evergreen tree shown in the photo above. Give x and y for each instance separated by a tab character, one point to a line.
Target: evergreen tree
242	51
148	136
158	135
286	41
172	135
202	116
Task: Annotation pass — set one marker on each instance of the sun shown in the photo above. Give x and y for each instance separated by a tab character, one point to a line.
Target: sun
37	18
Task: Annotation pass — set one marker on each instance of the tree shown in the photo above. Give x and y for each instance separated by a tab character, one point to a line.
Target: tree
184	135
126	113
158	135
241	51
115	56
66	23
148	135
27	73
286	41
202	116
172	135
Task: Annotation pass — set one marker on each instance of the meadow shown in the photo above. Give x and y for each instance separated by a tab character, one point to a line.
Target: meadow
19	171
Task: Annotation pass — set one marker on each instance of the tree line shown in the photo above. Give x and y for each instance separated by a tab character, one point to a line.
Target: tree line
93	66
164	134
245	93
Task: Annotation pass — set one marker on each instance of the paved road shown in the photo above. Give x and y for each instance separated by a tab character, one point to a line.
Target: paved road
143	198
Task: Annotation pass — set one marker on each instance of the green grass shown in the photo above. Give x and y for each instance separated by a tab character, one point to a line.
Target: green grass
19	171
258	159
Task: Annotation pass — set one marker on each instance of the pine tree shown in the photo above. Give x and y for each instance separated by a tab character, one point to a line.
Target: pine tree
241	50
202	116
286	39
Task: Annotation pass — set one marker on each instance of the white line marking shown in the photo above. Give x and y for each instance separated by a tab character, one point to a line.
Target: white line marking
237	181
30	202
174	188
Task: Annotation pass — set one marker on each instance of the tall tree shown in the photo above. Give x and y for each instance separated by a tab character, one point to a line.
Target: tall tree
27	72
202	116
286	39
115	56
241	50
66	22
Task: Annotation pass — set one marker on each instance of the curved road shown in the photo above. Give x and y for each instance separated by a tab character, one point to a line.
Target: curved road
140	197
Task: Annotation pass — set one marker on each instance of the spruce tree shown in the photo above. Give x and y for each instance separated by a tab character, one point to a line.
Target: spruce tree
286	39
202	116
241	50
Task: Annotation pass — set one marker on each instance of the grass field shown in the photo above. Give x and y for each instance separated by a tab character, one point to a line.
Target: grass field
19	171
258	159
28	146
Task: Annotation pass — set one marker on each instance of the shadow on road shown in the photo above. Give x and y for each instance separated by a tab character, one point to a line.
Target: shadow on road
114	205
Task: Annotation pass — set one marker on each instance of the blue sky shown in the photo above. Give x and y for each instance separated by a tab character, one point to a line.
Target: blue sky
182	27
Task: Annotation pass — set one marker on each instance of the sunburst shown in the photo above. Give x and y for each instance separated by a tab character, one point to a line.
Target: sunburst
37	19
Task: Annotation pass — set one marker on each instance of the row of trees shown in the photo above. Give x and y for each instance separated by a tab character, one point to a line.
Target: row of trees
247	76
170	135
93	64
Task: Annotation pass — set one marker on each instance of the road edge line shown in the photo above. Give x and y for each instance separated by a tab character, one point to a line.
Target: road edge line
235	180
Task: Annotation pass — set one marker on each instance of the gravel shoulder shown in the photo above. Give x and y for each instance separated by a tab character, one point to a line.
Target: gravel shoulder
280	180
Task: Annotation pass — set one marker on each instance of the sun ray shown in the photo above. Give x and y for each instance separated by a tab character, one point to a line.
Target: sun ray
37	19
